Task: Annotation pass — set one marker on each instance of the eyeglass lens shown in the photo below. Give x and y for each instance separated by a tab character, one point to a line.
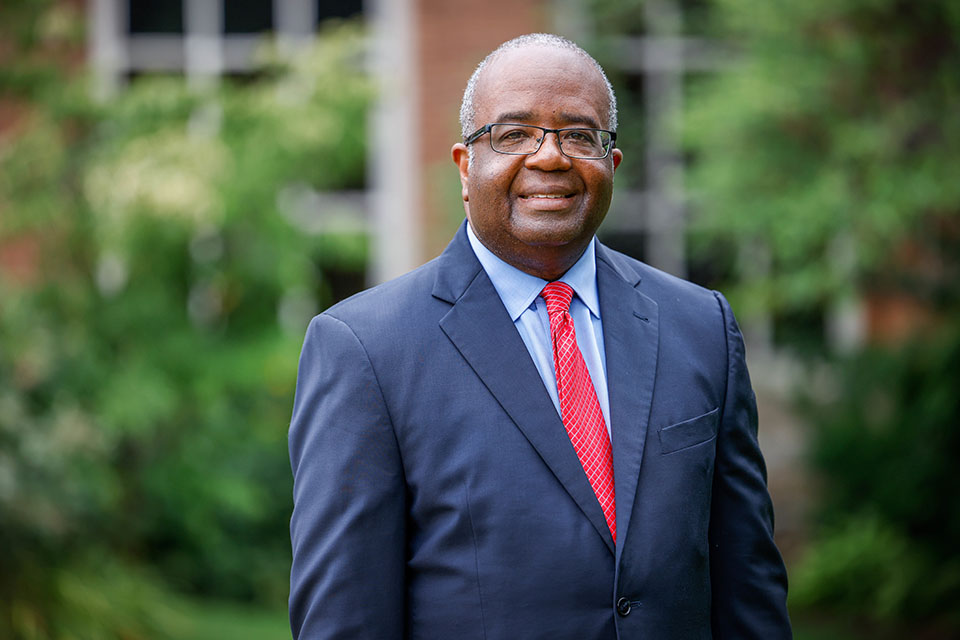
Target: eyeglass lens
581	143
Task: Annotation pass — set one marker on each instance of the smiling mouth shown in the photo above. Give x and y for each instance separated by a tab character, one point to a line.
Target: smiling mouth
548	203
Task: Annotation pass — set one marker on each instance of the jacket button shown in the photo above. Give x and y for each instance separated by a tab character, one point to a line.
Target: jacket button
623	607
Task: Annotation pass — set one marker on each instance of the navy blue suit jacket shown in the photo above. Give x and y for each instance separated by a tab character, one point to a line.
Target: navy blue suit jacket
437	495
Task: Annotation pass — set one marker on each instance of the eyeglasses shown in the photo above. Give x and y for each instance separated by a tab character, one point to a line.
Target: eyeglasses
526	139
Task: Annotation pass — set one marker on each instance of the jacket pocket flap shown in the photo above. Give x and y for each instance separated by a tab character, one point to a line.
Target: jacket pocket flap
689	432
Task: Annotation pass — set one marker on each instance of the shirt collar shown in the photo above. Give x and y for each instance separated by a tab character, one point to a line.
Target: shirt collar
518	290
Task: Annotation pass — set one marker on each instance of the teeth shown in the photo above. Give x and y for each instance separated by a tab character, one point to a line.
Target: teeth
544	195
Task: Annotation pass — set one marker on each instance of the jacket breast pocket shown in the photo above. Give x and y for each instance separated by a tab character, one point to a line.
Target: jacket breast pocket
689	432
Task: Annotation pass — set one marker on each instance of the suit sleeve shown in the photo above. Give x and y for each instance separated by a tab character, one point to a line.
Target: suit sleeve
748	578
347	528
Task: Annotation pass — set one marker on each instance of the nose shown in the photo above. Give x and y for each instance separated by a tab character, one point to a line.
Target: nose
548	157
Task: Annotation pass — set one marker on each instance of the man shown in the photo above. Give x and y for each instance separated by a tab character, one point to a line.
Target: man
480	454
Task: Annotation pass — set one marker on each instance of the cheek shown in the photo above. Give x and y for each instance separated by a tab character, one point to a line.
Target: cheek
489	178
600	183
483	192
489	200
492	173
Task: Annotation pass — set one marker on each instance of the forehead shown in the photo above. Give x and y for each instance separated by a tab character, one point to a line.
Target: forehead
545	85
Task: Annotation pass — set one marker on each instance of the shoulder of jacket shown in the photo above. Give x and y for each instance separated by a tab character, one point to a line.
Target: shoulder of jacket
652	281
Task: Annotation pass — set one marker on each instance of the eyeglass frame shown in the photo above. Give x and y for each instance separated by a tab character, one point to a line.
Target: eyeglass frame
473	137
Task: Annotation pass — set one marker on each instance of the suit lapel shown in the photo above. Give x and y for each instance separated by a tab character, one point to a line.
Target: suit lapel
482	331
631	339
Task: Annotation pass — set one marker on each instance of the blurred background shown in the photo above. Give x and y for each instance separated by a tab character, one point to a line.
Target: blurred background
184	183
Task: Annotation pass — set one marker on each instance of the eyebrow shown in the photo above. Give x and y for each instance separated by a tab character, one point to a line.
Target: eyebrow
528	116
579	119
515	116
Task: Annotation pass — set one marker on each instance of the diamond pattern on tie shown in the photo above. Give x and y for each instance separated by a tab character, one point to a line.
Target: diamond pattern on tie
579	407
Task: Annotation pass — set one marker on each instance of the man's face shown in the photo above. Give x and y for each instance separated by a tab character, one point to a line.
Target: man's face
537	212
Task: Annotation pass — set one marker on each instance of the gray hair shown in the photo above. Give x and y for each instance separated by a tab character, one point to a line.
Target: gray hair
467	108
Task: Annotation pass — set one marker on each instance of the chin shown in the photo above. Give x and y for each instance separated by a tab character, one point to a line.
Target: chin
553	233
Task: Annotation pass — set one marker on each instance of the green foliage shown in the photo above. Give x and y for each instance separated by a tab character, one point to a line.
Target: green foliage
621	17
231	621
827	141
628	17
148	360
861	565
100	599
886	448
897	413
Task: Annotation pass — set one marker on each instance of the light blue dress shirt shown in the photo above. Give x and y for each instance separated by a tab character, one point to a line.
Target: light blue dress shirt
520	293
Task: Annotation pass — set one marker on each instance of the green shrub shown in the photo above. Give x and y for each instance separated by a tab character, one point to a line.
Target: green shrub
886	448
148	360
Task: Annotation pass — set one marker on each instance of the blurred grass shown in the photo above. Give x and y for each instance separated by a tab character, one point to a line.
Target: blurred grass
204	620
810	631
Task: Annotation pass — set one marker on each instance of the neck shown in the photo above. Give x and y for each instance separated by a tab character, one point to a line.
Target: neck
548	271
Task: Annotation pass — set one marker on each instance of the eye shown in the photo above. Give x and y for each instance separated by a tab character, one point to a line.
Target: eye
514	135
580	136
514	138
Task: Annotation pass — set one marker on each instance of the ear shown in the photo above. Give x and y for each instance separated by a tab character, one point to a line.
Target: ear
461	157
617	156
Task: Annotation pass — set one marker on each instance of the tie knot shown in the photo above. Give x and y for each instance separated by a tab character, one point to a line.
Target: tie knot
557	296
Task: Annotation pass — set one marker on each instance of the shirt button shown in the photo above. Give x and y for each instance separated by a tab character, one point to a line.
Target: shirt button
623	607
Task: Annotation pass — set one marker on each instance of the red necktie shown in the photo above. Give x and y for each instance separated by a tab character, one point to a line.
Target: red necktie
579	407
